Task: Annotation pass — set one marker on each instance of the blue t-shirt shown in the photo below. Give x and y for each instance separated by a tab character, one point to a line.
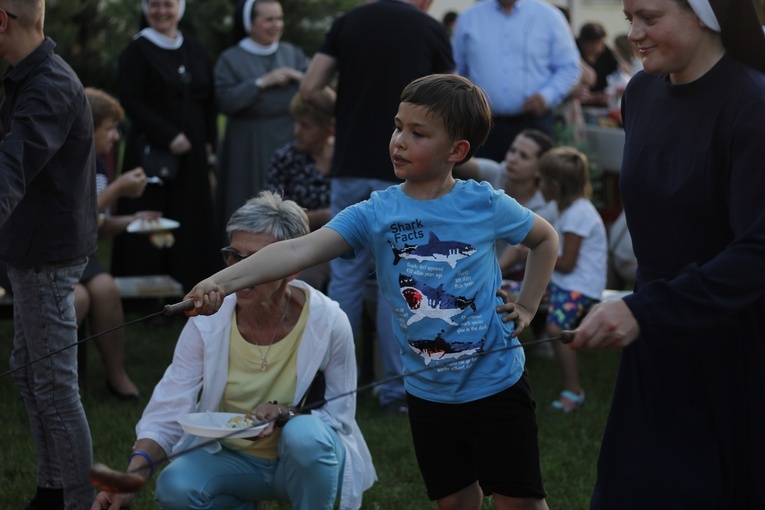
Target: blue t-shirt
437	267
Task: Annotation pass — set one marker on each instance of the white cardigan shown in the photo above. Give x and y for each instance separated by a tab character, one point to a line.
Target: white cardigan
200	362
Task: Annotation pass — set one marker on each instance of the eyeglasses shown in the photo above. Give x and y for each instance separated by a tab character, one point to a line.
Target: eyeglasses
231	256
10	15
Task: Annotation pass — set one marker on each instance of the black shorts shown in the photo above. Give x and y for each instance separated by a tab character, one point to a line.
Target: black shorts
492	440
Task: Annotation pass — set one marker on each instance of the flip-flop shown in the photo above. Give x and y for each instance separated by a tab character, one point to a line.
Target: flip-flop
568	401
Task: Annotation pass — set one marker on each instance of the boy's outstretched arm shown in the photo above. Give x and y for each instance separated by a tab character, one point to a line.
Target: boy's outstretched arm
542	242
274	262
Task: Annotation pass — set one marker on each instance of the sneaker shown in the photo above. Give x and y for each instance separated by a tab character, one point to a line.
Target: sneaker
395	407
569	401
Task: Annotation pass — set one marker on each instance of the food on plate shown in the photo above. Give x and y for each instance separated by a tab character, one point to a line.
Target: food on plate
241	422
145	224
162	239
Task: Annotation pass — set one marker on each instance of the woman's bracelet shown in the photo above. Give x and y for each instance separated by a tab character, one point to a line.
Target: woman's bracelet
282	420
145	455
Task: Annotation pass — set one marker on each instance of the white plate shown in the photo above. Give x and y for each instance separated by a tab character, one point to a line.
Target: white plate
142	226
215	425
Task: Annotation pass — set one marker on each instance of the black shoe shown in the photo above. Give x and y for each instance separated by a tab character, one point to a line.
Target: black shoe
33	506
47	499
395	407
121	396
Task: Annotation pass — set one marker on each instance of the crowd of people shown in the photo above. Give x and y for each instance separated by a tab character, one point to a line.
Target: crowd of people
342	172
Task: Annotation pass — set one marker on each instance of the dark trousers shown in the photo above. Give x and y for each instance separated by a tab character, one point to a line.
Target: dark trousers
505	130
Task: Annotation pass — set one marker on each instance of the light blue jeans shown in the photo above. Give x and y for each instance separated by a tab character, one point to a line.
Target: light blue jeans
308	473
348	283
44	321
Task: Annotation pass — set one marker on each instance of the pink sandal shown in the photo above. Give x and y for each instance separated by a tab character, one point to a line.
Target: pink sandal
569	401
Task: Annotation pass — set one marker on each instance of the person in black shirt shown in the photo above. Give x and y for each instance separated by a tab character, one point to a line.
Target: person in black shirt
592	47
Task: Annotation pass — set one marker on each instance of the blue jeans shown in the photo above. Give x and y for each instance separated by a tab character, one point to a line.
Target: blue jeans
44	321
348	283
308	473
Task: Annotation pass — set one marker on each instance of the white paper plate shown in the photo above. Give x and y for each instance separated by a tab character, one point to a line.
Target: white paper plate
142	226
215	425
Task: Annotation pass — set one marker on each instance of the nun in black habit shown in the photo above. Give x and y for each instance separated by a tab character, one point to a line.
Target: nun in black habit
686	428
166	88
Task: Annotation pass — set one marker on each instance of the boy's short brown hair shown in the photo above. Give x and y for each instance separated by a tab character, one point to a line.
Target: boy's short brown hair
462	106
103	107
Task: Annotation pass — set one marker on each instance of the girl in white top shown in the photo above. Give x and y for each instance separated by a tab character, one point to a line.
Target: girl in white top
580	271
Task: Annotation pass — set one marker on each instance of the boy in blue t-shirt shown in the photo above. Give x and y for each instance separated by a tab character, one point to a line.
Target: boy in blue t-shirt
432	237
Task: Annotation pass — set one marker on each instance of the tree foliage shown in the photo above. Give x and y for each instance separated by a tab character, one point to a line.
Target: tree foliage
91	34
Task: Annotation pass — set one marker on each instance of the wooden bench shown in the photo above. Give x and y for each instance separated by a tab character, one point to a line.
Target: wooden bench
158	286
151	286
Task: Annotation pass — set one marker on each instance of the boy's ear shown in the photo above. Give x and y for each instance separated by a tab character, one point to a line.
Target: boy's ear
460	148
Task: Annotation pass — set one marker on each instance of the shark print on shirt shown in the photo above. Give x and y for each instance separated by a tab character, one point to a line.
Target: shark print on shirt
434	251
426	301
440	349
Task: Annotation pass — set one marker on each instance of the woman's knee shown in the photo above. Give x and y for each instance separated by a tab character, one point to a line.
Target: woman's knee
175	487
306	440
103	287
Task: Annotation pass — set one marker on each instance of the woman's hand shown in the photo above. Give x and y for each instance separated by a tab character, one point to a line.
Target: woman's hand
117	224
131	184
609	325
581	92
147	215
269	412
180	144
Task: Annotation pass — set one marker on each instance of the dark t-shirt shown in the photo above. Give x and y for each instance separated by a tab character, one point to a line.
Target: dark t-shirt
604	65
48	211
379	48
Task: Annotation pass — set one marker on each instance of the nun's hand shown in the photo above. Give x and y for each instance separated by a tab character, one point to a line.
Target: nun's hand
609	325
180	144
280	77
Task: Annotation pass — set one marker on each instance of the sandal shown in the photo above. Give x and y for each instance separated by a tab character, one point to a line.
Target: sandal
568	401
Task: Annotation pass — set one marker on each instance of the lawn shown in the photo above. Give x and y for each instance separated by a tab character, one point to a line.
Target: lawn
569	443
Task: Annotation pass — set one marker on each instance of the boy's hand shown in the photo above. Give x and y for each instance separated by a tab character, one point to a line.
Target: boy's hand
208	298
513	312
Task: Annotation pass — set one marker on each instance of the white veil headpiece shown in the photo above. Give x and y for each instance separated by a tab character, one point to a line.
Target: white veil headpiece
703	9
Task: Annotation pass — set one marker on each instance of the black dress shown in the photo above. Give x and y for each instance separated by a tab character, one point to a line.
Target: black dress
165	92
687	424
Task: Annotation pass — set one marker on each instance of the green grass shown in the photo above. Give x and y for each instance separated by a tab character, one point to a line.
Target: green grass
568	443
